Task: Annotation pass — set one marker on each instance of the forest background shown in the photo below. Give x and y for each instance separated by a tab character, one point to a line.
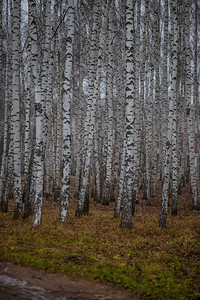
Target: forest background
100	117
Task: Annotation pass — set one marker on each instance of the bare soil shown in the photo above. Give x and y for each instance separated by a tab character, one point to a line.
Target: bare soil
60	285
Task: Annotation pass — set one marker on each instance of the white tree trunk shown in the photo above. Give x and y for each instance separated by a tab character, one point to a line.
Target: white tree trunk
190	108
15	112
171	114
66	114
164	90
38	167
91	106
6	128
109	96
126	219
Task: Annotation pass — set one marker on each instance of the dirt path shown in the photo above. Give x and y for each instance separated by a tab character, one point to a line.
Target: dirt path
55	286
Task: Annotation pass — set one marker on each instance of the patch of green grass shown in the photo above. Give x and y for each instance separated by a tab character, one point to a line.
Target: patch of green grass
146	260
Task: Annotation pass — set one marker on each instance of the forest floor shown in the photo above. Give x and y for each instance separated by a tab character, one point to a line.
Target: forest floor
144	261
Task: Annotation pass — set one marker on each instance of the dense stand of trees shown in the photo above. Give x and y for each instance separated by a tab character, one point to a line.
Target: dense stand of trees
103	90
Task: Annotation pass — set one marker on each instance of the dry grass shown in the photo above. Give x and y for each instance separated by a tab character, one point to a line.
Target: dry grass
164	264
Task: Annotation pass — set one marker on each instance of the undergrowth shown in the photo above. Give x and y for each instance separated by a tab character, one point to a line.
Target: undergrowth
163	264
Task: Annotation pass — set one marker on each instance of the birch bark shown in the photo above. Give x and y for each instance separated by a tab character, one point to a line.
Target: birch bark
109	95
171	114
8	186
91	105
196	204
83	40
58	122
190	108
15	112
137	120
38	167
66	114
126	219
164	89
5	136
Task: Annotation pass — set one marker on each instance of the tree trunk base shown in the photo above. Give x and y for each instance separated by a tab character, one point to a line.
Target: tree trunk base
97	198
4	207
56	194
116	214
126	225
196	207
162	222
17	211
79	212
174	212
144	195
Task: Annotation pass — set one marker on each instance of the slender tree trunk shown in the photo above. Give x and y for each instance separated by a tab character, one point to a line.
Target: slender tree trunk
6	128
171	115
58	126
27	143
164	91
66	115
126	219
109	96
15	126
190	110
38	167
137	121
121	182
91	107
196	204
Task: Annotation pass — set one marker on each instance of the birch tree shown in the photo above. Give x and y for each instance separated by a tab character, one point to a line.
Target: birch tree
2	70
164	89
196	203
58	119
171	114
15	112
190	107
38	154
80	99
126	219
137	119
109	106
27	143
5	135
66	114
91	105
